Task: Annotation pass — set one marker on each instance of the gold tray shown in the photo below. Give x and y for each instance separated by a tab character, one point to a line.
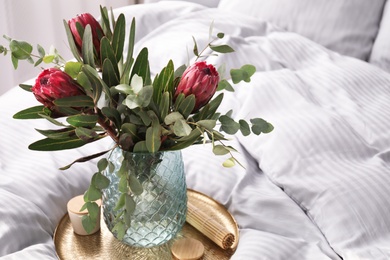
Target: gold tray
103	245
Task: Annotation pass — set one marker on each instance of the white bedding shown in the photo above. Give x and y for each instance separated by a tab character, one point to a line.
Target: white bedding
315	188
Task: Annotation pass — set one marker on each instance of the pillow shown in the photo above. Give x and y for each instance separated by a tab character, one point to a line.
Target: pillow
348	27
208	3
380	55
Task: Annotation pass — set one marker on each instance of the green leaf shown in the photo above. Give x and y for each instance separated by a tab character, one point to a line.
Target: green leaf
20	50
140	147
220	150
164	105
102	164
153	141
92	194
120	230
220	35
207	124
93	210
26	87
135	185
221	48
208	111
87	47
186	141
129	59
85	134
118	38
41	51
71	42
83	80
172	118
113	115
106	22
48	59
130	204
187	105
229	126
75	101
141	67
242	74
122	186
100	181
15	61
58	133
261	126
73	68
229	163
195	50
107	52
121	202
129	128
97	84
30	113
48	144
88	223
181	128
83	120
244	127
110	77
39	61
224	84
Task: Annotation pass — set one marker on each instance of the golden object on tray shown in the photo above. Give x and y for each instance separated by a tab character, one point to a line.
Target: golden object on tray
103	245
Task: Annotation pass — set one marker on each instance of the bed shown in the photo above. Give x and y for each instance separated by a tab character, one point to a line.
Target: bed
315	188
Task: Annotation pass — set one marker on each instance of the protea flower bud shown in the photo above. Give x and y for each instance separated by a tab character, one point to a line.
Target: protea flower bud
200	79
53	84
97	31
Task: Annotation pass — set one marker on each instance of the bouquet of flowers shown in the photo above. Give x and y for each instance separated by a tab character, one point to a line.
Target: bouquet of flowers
105	93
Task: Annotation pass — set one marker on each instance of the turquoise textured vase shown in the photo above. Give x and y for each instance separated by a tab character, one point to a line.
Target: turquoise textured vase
160	209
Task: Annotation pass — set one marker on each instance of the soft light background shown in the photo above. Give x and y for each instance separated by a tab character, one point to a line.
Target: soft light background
40	21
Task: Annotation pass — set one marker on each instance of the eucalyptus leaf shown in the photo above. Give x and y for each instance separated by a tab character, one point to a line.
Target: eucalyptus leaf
229	163
120	230
244	127
102	164
73	68
261	126
172	118
140	147
92	194
88	223
135	185
100	181
221	48
121	202
220	150
228	125
207	124
181	128
20	50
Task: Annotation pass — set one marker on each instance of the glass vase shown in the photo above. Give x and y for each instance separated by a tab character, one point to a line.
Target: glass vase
160	210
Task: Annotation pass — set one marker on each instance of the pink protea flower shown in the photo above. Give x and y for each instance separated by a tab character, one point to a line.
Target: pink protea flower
97	31
53	84
200	79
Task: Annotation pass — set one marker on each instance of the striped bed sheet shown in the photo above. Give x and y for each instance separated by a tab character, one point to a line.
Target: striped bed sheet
314	188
